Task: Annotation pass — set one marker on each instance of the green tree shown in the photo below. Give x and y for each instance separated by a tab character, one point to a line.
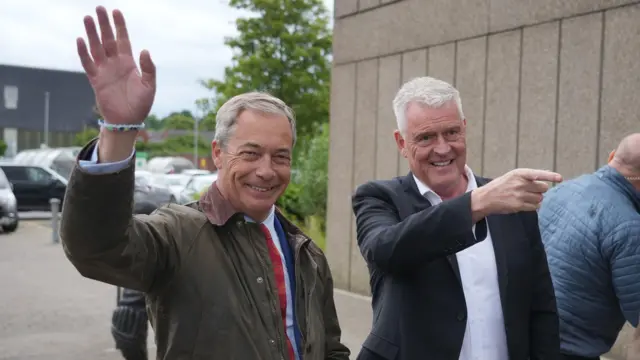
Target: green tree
284	50
3	147
208	120
82	138
153	123
312	175
178	121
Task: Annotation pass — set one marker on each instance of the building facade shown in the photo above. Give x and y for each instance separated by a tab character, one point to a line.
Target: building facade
32	97
546	84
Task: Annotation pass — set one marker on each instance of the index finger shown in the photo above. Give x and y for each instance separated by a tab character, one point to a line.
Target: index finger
540	175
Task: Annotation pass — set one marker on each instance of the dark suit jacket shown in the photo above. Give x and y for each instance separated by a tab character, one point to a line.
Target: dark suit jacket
418	302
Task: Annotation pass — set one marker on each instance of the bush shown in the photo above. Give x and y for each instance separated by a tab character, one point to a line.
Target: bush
82	138
305	201
3	147
313	175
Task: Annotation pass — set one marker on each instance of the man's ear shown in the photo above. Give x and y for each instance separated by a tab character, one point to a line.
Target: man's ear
611	155
216	154
400	142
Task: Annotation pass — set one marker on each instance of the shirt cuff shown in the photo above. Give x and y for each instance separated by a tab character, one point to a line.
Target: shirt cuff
93	167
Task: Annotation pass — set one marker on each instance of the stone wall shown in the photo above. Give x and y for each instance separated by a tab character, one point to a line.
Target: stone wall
544	83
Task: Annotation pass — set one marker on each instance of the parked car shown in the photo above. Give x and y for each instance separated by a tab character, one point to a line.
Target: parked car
8	206
148	190
176	184
60	160
169	164
195	172
197	184
34	186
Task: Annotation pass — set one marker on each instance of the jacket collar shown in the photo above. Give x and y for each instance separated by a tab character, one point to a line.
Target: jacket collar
409	182
423	188
216	207
219	211
618	182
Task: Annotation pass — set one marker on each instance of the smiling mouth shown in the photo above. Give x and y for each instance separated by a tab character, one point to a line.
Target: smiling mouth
441	163
262	189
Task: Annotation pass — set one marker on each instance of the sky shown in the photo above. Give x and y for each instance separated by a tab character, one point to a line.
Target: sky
185	39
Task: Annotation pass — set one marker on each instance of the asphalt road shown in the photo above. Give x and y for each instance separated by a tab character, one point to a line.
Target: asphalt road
49	312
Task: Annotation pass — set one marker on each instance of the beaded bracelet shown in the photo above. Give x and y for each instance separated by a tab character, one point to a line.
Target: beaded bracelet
120	127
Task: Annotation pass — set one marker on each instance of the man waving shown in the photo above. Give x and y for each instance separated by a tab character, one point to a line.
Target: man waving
226	277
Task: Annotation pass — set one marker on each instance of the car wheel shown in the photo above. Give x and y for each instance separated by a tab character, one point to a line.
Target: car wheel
10	228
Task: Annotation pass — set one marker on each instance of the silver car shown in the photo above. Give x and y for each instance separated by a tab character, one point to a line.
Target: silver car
8	206
146	190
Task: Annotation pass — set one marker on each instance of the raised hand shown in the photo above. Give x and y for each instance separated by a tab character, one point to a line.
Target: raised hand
517	190
124	94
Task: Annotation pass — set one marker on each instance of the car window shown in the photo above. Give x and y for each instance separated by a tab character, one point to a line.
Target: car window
37	174
15	173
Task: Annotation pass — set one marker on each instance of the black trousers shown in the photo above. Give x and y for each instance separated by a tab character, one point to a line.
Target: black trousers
575	357
129	324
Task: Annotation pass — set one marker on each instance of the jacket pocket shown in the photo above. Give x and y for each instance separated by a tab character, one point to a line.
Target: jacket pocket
380	346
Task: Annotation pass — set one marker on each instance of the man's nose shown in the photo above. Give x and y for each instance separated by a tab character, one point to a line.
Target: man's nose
265	169
442	146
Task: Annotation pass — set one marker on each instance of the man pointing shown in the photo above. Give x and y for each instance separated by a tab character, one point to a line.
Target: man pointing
226	277
457	267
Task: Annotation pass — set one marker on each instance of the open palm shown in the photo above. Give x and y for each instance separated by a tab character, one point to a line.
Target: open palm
124	95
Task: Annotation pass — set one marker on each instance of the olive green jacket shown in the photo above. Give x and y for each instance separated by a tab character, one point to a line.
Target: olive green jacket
211	293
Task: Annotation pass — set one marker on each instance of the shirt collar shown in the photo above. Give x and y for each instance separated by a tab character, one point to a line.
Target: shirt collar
268	222
471	183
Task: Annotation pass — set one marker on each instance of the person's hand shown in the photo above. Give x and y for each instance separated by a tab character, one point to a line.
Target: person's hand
517	190
633	350
124	95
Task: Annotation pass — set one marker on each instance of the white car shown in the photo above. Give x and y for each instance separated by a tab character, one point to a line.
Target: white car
176	183
197	184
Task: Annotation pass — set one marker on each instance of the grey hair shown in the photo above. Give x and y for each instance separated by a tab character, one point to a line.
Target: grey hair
262	102
426	91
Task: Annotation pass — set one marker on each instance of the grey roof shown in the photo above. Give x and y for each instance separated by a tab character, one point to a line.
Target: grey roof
71	99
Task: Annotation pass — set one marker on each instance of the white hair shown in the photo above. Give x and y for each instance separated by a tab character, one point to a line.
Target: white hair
265	103
426	91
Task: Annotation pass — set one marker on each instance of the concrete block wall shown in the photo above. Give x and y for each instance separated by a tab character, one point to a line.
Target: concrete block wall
545	83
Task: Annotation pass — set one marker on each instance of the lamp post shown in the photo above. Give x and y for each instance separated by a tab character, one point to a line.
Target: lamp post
46	118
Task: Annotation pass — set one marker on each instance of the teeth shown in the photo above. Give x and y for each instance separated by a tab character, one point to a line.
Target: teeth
442	163
259	188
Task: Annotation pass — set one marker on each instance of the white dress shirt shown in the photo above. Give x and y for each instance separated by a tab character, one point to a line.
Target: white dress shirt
484	336
269	222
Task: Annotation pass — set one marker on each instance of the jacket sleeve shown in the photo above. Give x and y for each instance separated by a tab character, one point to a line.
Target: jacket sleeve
625	267
399	246
544	321
105	242
334	349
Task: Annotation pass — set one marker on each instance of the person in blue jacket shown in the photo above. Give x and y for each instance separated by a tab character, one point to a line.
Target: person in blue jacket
590	227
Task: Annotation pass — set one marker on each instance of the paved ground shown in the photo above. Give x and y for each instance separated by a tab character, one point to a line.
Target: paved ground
49	312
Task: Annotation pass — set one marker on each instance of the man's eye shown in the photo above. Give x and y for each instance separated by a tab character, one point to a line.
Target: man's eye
282	159
250	154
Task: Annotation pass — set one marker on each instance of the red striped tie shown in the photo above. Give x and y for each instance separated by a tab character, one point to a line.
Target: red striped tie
278	270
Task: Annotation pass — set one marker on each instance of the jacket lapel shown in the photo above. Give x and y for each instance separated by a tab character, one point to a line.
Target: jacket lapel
419	203
500	226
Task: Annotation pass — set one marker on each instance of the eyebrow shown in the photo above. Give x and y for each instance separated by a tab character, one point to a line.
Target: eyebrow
258	147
